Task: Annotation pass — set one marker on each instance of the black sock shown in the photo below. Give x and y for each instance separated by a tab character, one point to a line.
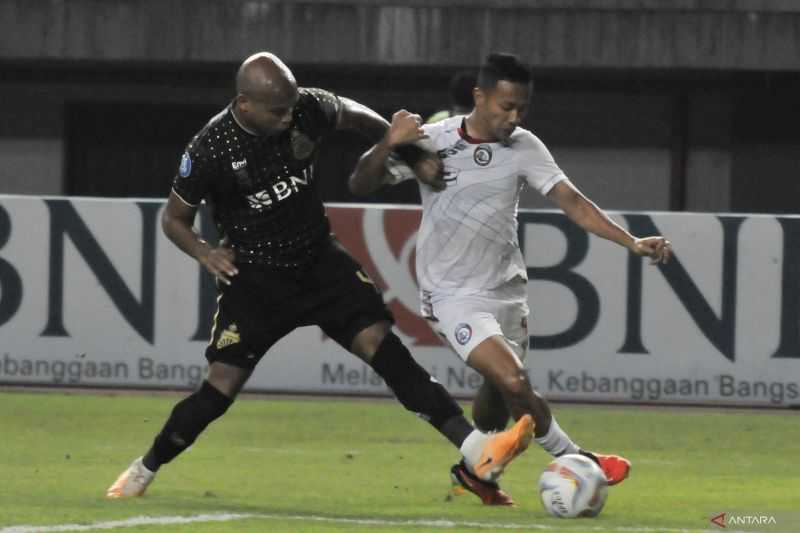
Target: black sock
456	429
188	419
416	390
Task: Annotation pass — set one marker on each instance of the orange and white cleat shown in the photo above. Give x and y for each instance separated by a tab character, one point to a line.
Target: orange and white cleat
502	448
615	468
489	492
132	482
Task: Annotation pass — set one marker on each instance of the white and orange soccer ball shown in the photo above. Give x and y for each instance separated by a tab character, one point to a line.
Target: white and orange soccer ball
573	486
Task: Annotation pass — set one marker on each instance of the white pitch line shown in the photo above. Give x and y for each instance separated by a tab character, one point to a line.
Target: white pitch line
227	517
130	522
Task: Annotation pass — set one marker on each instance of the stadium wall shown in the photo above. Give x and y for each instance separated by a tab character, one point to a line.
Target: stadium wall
625	147
92	294
681	105
734	34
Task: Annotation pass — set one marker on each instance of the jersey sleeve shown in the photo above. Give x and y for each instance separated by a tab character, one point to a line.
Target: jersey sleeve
537	164
323	107
194	175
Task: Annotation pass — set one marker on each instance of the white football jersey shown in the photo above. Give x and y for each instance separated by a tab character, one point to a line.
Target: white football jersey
467	242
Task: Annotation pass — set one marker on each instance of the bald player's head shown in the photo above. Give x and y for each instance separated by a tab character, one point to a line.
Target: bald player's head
266	94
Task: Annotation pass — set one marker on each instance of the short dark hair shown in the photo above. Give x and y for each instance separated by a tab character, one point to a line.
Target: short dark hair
502	67
461	85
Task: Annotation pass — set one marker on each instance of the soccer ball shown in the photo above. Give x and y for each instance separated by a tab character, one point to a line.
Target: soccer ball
573	486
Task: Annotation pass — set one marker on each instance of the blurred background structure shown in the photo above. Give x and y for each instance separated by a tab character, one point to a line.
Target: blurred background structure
646	104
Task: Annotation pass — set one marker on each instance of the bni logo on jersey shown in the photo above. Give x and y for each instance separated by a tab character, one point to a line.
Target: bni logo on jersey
463	333
482	155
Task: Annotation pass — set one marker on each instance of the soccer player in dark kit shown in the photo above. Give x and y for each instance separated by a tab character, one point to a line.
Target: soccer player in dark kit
279	268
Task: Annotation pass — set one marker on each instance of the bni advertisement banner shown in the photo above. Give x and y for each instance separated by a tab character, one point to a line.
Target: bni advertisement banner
93	294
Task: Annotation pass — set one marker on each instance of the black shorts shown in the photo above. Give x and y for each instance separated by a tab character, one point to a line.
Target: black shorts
263	305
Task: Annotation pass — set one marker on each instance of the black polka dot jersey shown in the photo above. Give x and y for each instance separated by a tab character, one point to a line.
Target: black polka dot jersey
260	188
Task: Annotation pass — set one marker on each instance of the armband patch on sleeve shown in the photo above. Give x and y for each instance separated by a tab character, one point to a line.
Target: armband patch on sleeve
186	165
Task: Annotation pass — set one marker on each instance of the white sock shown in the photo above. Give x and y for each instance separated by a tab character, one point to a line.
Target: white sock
473	446
556	442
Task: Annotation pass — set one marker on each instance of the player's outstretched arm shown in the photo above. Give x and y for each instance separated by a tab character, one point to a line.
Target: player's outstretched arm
177	222
587	215
371	171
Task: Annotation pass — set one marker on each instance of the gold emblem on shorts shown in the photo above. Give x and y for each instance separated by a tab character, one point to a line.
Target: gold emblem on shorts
364	277
229	337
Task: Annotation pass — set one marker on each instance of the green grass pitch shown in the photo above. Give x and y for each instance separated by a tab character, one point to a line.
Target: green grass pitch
303	465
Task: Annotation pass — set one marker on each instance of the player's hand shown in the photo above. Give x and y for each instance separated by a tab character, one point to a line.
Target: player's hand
406	128
219	262
430	171
658	249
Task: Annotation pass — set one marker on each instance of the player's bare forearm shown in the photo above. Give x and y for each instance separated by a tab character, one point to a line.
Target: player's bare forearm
589	216
177	223
370	169
595	220
370	172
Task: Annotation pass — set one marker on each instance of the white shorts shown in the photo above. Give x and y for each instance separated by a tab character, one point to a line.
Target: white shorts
466	321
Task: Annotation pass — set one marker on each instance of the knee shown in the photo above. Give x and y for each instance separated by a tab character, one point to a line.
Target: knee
227	379
515	385
367	342
368	347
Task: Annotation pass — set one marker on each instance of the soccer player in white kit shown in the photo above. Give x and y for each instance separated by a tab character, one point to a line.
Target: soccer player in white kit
471	272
